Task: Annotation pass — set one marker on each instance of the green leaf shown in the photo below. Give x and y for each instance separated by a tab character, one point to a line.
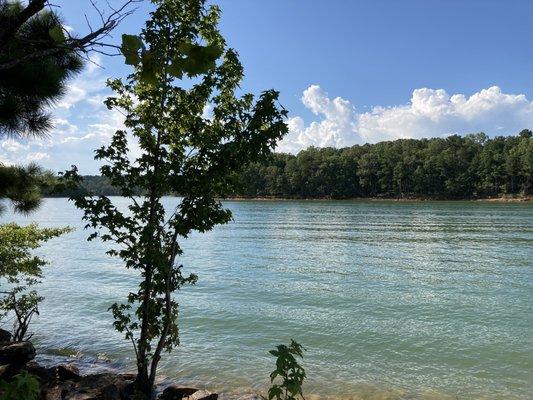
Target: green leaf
213	52
199	59
56	33
131	44
148	72
175	69
274	391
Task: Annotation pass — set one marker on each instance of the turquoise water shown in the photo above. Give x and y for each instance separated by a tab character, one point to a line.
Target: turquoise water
421	300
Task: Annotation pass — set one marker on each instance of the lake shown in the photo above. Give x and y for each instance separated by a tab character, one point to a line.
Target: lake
393	300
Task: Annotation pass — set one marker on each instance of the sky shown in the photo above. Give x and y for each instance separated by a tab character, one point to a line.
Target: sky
349	72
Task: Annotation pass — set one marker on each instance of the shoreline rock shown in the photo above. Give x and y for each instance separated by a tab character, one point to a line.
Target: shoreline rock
174	392
64	381
16	354
5	336
104	386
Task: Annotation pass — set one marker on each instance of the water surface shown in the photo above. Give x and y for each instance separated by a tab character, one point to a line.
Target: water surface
416	300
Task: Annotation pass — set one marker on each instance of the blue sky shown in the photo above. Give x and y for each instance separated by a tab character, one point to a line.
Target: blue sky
348	71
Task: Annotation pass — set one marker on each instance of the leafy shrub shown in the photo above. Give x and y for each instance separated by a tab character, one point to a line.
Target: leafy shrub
19	271
288	374
23	386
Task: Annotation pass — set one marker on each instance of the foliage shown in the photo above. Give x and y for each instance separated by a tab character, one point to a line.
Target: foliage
455	167
15	17
28	89
289	373
177	150
23	386
23	186
20	271
452	167
95	185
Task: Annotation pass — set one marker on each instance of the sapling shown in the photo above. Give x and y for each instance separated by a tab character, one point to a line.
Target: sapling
181	67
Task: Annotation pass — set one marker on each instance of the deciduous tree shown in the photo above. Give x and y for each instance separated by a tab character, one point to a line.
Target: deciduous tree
181	67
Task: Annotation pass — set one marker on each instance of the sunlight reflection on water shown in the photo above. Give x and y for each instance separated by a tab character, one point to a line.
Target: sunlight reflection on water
393	300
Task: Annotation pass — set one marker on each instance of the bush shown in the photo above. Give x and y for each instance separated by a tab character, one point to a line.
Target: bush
23	386
20	270
288	373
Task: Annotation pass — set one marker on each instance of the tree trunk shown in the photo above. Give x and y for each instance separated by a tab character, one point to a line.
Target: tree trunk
143	386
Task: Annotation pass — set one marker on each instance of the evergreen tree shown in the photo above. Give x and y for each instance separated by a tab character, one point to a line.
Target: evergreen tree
29	88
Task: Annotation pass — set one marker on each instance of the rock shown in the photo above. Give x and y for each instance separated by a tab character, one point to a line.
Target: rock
54	393
91	387
4	370
178	393
250	396
18	353
9	370
5	336
43	373
129	377
67	372
203	395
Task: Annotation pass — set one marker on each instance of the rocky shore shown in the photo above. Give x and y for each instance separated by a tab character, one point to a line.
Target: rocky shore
64	381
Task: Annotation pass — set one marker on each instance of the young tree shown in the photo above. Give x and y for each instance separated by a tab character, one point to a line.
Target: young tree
182	66
19	271
289	375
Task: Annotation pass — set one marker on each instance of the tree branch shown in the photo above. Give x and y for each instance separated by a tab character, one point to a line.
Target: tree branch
11	26
85	44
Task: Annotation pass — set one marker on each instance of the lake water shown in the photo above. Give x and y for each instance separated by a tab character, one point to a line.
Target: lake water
414	300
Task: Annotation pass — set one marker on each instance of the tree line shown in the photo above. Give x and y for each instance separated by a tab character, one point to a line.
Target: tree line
455	167
452	167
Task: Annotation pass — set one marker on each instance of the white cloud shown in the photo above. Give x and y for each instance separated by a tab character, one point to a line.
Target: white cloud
94	64
81	124
75	94
15	152
37	156
12	146
337	127
87	87
430	113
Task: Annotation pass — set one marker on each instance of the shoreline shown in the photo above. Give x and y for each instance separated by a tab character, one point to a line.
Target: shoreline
387	199
524	199
91	372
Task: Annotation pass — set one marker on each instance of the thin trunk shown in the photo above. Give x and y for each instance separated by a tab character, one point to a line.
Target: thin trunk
168	308
145	383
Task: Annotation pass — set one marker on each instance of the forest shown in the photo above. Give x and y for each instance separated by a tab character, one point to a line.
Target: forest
455	167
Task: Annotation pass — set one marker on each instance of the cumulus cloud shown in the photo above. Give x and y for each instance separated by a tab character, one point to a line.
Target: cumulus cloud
82	123
430	113
336	128
15	152
37	156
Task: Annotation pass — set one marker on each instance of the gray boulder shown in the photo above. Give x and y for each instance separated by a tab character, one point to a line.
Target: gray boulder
90	387
18	353
5	336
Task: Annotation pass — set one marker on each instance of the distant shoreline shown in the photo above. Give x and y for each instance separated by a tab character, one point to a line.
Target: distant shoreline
387	199
504	199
